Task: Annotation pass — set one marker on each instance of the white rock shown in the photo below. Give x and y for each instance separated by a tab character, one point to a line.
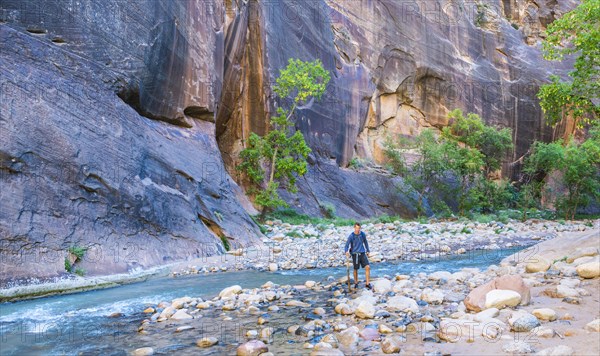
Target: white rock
560	350
563	291
365	310
401	285
178	303
589	270
207	342
544	314
310	284
402	303
143	351
273	267
518	347
230	291
343	309
252	348
522	321
181	314
539	265
486	314
348	337
593	326
382	286
570	282
432	296
500	298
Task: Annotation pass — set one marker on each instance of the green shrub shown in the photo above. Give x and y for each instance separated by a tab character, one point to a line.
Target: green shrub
328	210
80	272
78	251
68	266
225	243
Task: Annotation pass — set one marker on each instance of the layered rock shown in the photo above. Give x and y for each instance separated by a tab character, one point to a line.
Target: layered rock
397	67
108	137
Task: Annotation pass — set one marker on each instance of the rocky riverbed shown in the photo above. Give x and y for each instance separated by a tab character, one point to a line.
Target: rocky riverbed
289	246
532	302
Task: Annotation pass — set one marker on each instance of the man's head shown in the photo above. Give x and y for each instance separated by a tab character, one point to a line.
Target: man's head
356	227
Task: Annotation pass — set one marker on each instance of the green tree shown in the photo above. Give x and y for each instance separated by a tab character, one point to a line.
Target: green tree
577	164
283	151
479	151
580	175
426	173
576	33
543	159
467	150
492	142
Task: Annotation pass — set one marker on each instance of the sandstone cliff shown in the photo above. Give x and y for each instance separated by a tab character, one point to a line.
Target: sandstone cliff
120	120
398	67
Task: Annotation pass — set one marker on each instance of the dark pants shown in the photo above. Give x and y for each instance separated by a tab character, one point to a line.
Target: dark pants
360	260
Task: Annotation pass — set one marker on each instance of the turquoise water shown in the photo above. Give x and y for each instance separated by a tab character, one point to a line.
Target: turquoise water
80	323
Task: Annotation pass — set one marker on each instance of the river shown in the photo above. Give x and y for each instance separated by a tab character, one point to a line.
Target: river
82	324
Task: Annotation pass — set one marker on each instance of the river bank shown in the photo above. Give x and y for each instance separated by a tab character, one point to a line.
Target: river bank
310	246
525	304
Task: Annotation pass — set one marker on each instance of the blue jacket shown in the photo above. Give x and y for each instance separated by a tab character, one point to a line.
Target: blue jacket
358	243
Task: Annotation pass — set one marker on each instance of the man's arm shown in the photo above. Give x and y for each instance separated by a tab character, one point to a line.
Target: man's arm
347	244
366	243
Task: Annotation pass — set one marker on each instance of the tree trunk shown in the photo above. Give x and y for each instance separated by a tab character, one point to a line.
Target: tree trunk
273	160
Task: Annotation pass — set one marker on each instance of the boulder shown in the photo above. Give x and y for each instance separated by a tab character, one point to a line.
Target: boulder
501	298
343	309
475	300
523	322
207	342
181	314
391	345
589	269
296	303
518	347
252	348
539	264
369	334
230	291
178	303
365	310
402	303
382	286
582	252
593	326
348	337
486	314
563	291
560	350
544	314
143	351
432	296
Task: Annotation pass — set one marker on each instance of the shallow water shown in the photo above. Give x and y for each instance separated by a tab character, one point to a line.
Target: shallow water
80	323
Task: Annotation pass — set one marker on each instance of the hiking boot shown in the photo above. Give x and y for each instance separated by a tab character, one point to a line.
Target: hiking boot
368	286
355	285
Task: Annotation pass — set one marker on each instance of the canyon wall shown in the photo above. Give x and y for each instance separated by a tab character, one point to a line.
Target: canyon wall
121	121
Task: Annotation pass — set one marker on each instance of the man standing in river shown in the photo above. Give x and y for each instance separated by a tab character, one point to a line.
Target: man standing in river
359	250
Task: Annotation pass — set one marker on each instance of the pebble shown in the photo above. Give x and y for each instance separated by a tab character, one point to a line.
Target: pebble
207	342
143	351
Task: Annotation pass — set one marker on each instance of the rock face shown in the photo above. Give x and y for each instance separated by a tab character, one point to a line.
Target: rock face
108	137
119	121
397	68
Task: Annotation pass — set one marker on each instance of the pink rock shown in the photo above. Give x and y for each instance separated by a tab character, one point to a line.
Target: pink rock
369	334
475	301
